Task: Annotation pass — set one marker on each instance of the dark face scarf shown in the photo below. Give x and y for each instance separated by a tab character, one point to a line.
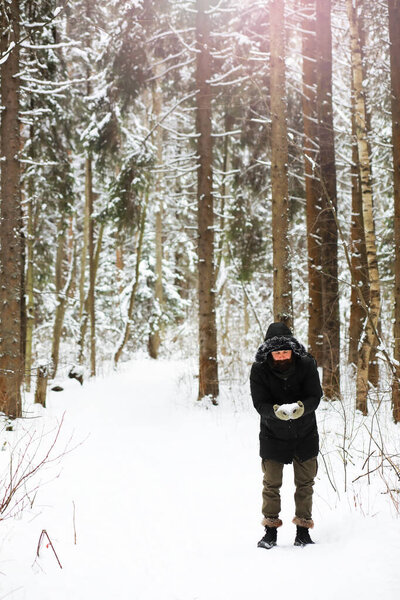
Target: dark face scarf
281	366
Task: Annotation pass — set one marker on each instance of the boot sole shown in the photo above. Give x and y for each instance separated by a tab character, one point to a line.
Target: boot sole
302	545
265	545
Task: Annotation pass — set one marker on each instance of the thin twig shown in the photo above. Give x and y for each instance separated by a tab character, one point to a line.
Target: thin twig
74	521
391	463
327	472
368	473
44	533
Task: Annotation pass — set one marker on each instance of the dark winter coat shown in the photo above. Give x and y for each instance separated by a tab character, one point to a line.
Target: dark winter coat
284	440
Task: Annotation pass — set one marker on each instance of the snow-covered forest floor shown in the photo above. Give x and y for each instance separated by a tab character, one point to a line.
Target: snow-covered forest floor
157	496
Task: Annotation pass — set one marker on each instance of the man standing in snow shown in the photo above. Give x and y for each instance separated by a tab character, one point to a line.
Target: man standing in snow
286	390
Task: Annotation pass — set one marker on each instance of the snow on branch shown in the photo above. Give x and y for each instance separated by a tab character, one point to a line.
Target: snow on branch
177	33
173	31
233	82
52	83
29	46
167	58
225	133
187	97
217	9
173	68
38	163
222	76
178	134
12	45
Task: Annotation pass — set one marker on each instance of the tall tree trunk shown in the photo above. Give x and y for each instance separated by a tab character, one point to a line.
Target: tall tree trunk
373	366
11	252
64	282
91	293
313	189
369	226
359	262
208	363
221	209
328	229
155	334
135	283
119	260
359	265
85	314
394	33
84	250
246	316
279	168
88	7
60	308
30	303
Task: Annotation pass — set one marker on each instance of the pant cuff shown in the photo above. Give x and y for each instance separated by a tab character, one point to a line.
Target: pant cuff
271	522
307	523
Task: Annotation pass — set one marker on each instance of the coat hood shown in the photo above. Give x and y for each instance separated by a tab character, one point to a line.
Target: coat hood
279	337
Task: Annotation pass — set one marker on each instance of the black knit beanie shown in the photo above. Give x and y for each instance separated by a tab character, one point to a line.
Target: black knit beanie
277	330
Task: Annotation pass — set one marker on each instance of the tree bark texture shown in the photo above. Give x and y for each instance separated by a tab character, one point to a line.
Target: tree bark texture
64	282
279	168
11	241
156	328
119	260
84	298
328	229
41	385
88	192
373	366
394	33
224	185
371	323
208	363
85	314
359	264
313	189
92	275
30	303
60	308
135	283
84	251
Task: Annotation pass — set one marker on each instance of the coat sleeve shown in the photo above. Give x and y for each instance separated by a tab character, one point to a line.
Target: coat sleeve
259	393
311	388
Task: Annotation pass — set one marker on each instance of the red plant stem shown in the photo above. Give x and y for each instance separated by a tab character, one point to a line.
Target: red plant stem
44	533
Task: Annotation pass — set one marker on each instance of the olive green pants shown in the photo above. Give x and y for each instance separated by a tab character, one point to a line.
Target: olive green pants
304	475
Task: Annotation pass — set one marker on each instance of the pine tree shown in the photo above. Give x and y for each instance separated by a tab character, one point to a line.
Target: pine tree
12	342
279	166
359	264
208	363
371	324
328	229
312	184
47	175
394	33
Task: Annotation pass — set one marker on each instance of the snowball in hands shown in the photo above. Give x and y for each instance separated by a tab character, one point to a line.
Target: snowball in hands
289	411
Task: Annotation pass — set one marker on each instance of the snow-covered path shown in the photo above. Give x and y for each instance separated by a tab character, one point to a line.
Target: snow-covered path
167	507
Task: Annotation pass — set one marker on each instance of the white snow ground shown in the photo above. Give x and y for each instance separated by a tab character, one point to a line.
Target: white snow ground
167	498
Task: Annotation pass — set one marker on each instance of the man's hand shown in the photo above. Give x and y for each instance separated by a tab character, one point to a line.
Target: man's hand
289	411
